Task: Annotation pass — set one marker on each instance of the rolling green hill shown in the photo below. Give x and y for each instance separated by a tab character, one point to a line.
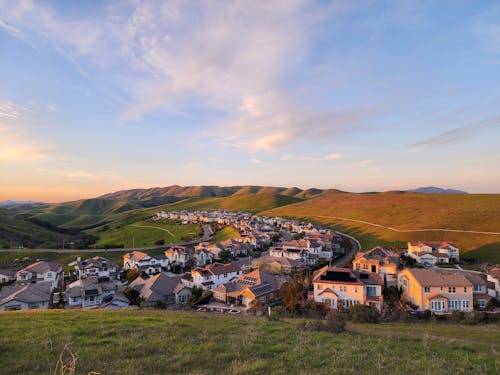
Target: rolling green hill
474	212
173	342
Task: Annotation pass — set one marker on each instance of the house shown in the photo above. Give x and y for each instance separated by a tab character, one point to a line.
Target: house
211	276
41	271
278	265
143	262
116	301
378	260
161	288
256	287
7	275
439	292
493	279
26	297
210	247
442	252
479	289
342	288
235	247
178	256
97	266
89	292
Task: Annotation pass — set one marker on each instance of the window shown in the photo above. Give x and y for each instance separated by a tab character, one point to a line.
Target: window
477	287
371	291
318	286
465	289
451	289
49	275
427	289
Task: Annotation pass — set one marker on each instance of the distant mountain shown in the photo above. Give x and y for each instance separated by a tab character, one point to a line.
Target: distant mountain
176	191
436	190
17	203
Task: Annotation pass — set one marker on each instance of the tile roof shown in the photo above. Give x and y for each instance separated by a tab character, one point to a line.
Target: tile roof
31	293
428	277
42	267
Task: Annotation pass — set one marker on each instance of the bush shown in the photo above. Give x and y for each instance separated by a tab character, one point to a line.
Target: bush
457	316
334	322
160	242
160	304
364	314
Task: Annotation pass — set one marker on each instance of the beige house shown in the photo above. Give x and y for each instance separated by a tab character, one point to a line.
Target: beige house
378	260
433	252
439	292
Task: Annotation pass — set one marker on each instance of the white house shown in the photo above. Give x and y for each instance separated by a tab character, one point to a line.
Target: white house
211	276
97	266
89	292
443	252
146	263
493	278
7	275
41	271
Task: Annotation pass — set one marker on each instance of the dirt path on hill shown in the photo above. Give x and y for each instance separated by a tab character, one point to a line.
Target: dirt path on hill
147	226
405	230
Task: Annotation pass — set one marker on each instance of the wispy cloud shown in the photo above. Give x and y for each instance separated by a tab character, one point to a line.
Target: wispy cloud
255	161
456	135
311	158
72	174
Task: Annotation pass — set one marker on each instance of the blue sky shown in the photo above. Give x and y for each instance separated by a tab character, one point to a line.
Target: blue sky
360	96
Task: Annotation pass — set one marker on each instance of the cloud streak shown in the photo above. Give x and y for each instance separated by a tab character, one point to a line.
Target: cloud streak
456	135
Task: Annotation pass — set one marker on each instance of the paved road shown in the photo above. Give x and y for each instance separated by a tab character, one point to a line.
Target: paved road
347	257
405	230
207	235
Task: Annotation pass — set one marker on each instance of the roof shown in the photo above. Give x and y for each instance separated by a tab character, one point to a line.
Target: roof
328	290
31	293
7	272
42	267
136	255
157	287
495	272
96	262
379	254
428	277
434	244
346	276
296	243
88	286
281	260
219	268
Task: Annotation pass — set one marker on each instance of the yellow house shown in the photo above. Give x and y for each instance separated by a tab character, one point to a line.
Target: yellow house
439	292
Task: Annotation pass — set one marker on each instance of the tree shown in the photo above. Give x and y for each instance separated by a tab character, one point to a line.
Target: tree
225	255
133	296
132	274
160	242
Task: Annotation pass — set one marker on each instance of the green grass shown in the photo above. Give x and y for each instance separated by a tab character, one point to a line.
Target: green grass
476	212
225	234
147	234
244	202
161	342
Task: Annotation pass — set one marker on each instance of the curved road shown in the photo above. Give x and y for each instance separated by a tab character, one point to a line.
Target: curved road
405	230
207	235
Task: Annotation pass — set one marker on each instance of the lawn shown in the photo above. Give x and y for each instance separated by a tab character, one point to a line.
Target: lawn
162	342
143	234
225	234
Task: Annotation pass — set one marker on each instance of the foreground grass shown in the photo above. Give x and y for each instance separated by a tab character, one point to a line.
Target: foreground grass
159	342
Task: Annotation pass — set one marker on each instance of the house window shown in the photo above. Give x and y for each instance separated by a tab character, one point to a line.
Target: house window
318	286
477	288
465	289
427	289
371	291
451	289
49	275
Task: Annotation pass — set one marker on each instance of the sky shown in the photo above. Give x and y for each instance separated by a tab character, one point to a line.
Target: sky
99	96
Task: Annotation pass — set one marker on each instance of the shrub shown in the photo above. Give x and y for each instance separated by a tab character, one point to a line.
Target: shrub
364	314
160	242
457	316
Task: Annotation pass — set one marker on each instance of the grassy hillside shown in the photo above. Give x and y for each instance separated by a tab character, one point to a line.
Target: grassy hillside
225	234
162	342
406	211
207	192
145	234
243	202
